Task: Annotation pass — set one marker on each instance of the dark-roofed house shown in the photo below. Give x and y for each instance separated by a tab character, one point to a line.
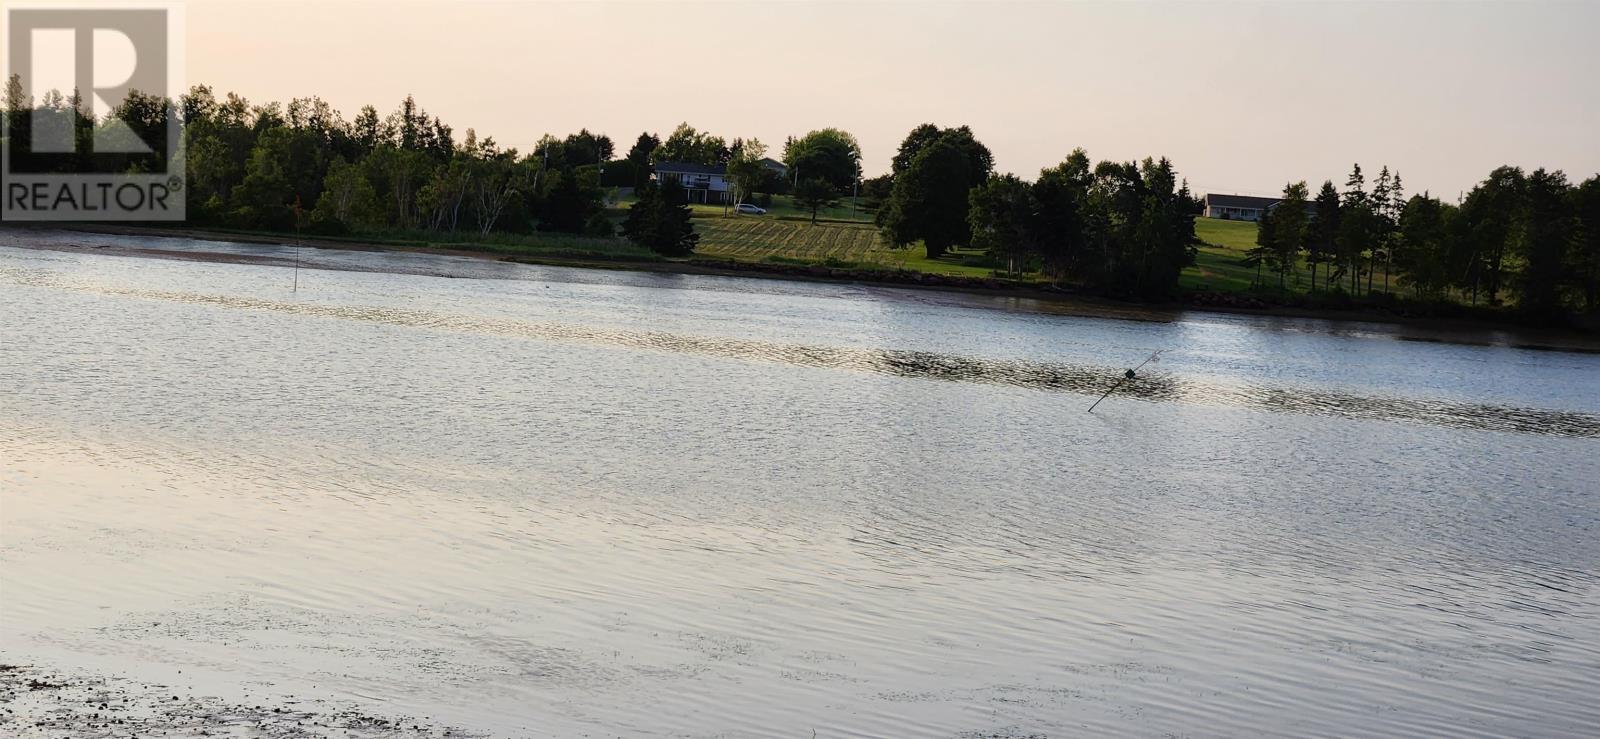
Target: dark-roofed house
1237	207
702	183
776	166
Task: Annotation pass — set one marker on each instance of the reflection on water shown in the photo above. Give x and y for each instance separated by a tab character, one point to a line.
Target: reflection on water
634	506
1092	379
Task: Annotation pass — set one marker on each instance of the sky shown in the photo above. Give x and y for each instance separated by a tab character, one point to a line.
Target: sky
1242	97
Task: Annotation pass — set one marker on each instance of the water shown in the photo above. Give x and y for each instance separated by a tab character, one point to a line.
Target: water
533	501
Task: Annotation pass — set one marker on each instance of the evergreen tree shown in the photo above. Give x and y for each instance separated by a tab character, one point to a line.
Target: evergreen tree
1164	241
1322	239
1357	228
567	207
640	156
1266	244
1584	258
1397	206
1546	234
661	221
1397	199
1383	224
1061	222
1290	230
1379	197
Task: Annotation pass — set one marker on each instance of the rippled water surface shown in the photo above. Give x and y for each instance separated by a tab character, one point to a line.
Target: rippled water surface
533	501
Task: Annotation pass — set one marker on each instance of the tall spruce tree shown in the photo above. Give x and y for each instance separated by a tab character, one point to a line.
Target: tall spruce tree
661	221
1266	244
1397	207
1290	230
1546	228
1584	259
1322	242
1356	227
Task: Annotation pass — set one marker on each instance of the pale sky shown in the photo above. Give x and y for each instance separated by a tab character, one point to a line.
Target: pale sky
1241	96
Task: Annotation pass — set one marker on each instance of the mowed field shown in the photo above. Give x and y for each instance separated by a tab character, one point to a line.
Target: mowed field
753	238
784	205
1220	264
764	238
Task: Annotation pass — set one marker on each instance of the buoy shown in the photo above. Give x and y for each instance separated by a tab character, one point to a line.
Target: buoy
1128	375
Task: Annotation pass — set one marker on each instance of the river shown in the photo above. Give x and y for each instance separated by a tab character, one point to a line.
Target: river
541	501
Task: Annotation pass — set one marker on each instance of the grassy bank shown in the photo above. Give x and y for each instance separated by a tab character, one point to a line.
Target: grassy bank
537	245
777	246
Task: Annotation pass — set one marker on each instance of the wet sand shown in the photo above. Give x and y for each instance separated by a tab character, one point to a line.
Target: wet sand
43	703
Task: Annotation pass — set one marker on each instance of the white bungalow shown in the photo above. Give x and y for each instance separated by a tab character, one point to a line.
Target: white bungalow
701	183
1238	207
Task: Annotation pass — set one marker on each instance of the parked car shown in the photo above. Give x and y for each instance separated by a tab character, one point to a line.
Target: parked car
751	209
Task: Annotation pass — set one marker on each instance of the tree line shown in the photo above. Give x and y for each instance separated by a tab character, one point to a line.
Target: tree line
273	166
1532	239
1124	228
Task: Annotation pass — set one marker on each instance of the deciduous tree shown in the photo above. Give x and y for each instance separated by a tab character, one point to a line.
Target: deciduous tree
745	171
813	194
1003	215
829	154
928	200
686	145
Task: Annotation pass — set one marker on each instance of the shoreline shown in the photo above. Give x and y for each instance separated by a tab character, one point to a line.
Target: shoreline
48	702
1053	301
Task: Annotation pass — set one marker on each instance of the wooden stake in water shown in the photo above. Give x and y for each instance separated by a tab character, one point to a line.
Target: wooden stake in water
1128	375
297	244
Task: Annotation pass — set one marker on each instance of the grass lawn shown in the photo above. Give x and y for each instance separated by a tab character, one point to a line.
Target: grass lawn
846	237
916	258
784	205
551	245
1219	265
